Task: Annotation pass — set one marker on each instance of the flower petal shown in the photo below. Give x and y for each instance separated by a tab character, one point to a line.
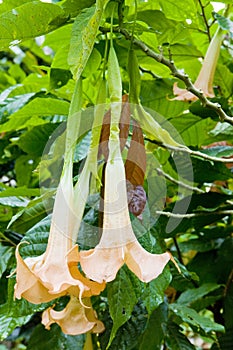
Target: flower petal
94	288
72	319
27	284
92	317
183	94
144	265
102	264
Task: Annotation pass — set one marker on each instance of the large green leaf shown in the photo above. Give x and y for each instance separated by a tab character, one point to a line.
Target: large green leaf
196	294
154	334
29	216
29	20
178	11
83	37
196	321
34	141
30	114
122	299
128	335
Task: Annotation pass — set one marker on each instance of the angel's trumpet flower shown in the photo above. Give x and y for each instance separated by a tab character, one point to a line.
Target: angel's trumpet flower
118	244
205	79
50	271
55	273
74	319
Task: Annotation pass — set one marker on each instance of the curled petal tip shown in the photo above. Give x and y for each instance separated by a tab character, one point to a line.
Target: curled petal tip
146	266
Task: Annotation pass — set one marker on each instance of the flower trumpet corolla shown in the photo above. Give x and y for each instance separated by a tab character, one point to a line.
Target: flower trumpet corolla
52	274
74	319
118	244
204	81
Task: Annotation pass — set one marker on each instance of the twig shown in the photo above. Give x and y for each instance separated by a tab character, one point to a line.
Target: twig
178	251
205	20
229	282
176	73
191	152
177	182
193	215
143	70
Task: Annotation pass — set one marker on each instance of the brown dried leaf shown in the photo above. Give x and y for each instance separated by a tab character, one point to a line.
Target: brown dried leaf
135	165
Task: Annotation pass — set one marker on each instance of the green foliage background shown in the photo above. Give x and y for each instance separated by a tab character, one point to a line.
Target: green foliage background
43	46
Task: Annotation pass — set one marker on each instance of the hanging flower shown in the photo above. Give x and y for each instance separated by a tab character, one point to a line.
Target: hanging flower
52	274
204	81
74	319
118	244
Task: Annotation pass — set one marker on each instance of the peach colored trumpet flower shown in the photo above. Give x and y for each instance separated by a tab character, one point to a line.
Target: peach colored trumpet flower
52	274
205	79
74	319
118	244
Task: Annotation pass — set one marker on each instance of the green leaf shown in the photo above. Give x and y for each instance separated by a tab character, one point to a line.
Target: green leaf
199	245
5	213
30	114
193	295
19	191
93	63
54	339
207	171
196	321
6	254
72	7
11	4
12	104
128	335
175	340
224	78
83	36
122	298
34	141
219	151
194	130
178	11
24	166
15	313
29	216
222	129
9	322
59	77
153	294
155	96
154	334
13	201
224	23
29	21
